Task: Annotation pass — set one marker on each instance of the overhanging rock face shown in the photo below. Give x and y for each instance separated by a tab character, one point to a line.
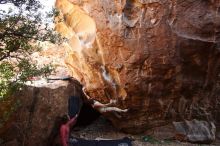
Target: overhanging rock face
158	58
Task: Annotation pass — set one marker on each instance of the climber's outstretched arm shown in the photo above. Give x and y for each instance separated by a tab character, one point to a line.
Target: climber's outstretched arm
72	121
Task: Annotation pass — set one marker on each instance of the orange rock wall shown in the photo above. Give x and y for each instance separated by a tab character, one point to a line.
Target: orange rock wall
157	58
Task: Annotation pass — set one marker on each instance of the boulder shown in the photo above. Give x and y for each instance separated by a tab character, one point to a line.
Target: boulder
35	110
195	131
157	58
39	110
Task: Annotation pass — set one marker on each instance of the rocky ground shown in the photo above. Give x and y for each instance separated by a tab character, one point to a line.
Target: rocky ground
102	129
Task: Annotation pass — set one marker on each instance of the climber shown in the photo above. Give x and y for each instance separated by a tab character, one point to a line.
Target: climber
65	130
102	108
74	106
62	125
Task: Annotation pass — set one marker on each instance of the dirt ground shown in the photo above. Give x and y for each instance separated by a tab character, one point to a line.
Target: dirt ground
102	129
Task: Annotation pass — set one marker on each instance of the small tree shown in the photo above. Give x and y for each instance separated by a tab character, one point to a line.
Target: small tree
20	32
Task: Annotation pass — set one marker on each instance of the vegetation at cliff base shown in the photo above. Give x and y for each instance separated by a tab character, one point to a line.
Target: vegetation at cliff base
21	30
